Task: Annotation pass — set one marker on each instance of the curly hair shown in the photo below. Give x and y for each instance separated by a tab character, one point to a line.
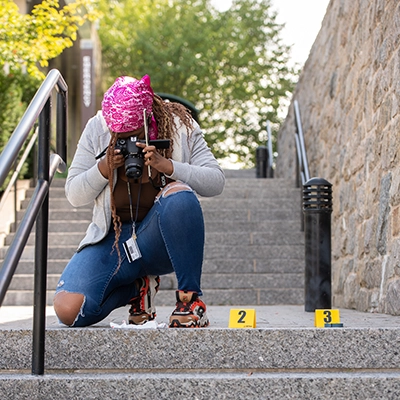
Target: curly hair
164	113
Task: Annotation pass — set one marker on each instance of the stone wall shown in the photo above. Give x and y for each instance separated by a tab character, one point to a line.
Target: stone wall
349	102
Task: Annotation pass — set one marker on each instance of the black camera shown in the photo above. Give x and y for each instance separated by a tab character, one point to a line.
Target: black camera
134	155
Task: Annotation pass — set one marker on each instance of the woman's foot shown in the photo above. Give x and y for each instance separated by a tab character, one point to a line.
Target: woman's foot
142	307
190	311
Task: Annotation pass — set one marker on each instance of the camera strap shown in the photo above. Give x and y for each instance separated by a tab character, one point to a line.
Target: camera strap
101	154
131	205
163	178
163	181
130	246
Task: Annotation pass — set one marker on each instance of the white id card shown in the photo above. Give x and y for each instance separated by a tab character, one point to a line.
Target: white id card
132	250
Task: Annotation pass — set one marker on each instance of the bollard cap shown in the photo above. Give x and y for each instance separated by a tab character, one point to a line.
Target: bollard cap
317	182
317	195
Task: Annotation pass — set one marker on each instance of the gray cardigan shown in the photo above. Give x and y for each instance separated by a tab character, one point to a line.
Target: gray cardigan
193	164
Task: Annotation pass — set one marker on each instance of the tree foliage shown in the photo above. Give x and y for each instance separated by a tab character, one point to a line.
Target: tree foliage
30	40
16	90
27	42
232	65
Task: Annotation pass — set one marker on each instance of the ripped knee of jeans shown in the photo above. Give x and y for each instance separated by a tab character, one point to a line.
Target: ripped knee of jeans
68	306
174	187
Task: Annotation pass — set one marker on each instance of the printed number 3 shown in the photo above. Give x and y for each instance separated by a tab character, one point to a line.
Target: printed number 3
328	317
242	314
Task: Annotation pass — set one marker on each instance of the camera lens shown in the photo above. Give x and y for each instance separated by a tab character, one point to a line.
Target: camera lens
134	167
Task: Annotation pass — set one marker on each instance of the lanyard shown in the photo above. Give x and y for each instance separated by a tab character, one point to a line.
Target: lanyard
131	206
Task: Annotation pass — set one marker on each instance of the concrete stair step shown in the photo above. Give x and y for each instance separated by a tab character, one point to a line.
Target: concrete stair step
254	188
283	252
222	266
202	384
232	237
209	281
240	265
76	214
234	214
271	228
277	202
234	297
283	357
238	297
57	203
267	226
226	237
58	182
251	215
53	266
67	226
58	185
54	238
56	226
260	183
213	350
211	251
220	202
240	173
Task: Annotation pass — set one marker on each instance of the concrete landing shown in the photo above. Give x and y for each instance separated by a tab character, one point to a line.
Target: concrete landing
267	317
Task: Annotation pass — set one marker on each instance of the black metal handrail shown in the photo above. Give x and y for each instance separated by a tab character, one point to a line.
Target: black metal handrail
302	171
316	209
303	174
38	208
270	165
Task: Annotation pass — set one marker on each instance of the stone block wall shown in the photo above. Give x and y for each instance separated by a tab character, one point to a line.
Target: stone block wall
349	98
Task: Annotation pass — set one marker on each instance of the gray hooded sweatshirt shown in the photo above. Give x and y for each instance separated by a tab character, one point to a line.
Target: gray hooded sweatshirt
192	160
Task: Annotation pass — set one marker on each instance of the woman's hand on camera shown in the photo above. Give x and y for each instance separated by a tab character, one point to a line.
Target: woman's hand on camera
119	161
156	160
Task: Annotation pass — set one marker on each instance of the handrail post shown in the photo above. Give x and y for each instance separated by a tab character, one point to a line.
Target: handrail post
40	284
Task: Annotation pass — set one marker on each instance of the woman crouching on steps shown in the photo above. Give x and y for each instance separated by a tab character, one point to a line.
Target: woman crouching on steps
147	220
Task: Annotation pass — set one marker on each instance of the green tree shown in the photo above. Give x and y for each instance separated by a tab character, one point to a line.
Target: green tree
28	41
232	65
16	91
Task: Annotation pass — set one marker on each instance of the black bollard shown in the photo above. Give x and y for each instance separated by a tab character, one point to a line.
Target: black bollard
317	208
261	161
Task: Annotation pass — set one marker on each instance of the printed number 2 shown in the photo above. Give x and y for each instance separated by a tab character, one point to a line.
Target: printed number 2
328	317
242	314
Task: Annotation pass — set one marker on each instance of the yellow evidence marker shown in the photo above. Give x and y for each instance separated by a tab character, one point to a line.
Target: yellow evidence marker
242	318
327	319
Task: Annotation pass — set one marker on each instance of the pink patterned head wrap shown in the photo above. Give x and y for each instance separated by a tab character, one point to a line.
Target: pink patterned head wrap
124	102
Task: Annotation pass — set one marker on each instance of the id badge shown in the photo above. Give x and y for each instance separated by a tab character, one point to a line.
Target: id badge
131	247
132	250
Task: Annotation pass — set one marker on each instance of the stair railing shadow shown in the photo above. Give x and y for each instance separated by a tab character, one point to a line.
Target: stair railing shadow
48	164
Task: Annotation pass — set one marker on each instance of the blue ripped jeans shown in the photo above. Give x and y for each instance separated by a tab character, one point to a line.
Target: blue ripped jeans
170	238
